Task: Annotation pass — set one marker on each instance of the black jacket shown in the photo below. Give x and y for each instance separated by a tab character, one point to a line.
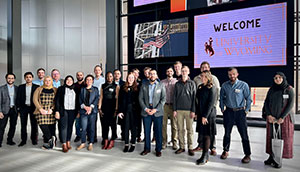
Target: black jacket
184	96
60	99
21	97
130	97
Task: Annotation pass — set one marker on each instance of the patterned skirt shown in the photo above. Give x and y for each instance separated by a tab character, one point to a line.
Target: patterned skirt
287	134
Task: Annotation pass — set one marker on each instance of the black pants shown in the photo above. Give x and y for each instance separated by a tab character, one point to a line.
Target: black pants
66	125
48	130
230	118
108	120
13	116
139	124
34	127
212	141
130	124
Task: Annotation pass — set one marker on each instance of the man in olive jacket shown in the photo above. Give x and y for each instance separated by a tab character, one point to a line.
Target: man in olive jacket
152	98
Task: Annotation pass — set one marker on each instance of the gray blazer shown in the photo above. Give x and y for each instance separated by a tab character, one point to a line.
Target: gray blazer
159	98
5	99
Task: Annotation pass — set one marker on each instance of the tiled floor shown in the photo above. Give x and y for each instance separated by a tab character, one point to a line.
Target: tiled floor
33	158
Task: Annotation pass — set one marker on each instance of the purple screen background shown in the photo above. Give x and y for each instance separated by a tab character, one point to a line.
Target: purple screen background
268	49
145	2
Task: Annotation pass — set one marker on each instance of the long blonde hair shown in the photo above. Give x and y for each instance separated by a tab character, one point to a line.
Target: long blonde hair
208	75
51	86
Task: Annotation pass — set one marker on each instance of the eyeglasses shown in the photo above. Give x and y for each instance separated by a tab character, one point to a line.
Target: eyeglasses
277	77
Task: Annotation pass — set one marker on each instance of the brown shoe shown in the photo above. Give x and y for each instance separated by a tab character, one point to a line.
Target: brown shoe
145	152
69	145
80	147
213	152
90	147
224	155
197	149
64	148
158	154
246	159
179	151
191	152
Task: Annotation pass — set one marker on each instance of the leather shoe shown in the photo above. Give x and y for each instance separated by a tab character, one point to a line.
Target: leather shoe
191	153
80	147
34	142
139	140
90	147
224	155
145	152
11	143
246	159
22	144
179	151
65	148
158	154
197	149
213	152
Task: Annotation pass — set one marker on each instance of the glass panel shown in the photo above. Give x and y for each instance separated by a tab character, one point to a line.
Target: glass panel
3	40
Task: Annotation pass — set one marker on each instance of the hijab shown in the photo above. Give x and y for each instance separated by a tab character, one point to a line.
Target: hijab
65	82
281	86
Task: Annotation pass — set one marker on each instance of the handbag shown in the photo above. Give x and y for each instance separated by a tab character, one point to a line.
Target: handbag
277	145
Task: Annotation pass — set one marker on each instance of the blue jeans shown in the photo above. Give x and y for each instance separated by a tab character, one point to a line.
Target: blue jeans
78	126
88	124
157	131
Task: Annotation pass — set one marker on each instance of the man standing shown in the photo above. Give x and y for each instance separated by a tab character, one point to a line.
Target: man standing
8	94
117	77
169	83
177	68
40	80
57	82
146	74
78	85
184	109
25	106
152	98
205	66
98	81
235	95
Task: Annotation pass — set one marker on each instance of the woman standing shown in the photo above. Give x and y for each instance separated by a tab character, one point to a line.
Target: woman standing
66	110
43	100
88	100
278	109
206	120
128	109
108	104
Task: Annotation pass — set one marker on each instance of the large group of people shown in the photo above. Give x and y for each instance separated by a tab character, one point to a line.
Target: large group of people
52	102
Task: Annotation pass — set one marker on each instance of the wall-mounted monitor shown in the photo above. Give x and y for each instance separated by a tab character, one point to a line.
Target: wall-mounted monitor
255	36
145	2
167	38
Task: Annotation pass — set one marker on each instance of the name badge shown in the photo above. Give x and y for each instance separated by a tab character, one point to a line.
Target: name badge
111	89
285	96
237	90
158	91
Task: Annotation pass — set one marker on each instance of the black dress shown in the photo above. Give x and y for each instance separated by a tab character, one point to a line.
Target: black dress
129	106
206	98
108	108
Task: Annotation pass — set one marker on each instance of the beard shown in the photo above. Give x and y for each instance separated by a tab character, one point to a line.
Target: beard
79	79
152	80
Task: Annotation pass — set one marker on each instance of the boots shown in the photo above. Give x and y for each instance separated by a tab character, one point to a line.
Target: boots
105	144
69	145
203	159
49	145
111	144
126	148
64	148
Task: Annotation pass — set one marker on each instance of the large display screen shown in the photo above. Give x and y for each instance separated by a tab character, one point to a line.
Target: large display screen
168	38
145	2
246	37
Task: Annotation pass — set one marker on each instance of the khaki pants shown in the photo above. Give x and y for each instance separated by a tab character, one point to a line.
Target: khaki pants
181	115
168	112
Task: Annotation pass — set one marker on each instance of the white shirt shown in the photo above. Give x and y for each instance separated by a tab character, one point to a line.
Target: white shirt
28	95
70	98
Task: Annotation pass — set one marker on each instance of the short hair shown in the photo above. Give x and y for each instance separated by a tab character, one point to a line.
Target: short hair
10	74
54	70
170	67
153	70
135	69
185	67
98	66
37	71
205	62
117	70
89	75
232	68
147	68
79	72
177	62
28	73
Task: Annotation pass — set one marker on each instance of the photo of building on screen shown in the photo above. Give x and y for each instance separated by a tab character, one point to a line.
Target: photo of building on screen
161	39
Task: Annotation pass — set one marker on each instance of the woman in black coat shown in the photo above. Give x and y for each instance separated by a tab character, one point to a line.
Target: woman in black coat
206	120
128	110
66	109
